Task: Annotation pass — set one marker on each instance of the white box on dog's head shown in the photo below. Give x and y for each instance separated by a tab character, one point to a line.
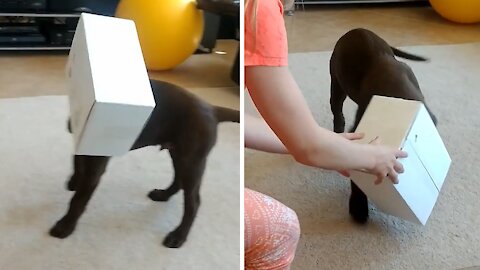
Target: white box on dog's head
407	125
109	90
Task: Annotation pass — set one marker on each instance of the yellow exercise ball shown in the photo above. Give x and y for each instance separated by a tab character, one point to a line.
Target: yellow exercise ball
460	11
169	30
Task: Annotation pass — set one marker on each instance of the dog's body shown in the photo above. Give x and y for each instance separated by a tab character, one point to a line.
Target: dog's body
363	65
181	123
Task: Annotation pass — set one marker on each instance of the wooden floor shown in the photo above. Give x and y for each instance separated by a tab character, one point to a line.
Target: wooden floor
319	27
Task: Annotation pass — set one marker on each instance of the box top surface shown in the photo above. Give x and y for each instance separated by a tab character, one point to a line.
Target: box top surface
117	66
377	120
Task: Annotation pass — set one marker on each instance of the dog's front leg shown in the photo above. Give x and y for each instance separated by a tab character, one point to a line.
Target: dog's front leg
189	174
86	182
337	97
358	204
78	168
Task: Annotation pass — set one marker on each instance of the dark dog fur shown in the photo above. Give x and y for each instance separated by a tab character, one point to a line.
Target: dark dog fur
181	123
363	65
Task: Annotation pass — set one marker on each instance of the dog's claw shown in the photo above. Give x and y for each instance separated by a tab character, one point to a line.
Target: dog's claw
174	240
61	230
159	195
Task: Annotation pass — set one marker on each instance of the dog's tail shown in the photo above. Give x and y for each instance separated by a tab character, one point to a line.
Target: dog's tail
227	115
406	55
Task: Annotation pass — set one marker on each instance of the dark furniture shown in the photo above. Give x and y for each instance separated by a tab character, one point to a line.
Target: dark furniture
28	25
45	24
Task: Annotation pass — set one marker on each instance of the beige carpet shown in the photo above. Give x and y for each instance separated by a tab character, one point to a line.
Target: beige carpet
451	238
121	228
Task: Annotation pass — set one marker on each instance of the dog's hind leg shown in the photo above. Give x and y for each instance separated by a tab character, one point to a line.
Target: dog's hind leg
358	116
162	195
189	173
337	97
85	184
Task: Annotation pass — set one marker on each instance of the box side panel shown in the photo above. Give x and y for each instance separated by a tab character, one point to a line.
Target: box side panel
429	146
416	186
79	84
112	129
118	67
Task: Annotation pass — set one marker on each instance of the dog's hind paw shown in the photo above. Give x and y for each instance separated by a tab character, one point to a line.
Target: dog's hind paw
159	195
174	240
61	230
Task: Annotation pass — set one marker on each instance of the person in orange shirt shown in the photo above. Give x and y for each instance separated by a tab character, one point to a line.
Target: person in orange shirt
272	229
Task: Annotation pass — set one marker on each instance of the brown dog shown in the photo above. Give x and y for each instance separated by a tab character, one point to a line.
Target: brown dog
363	65
181	123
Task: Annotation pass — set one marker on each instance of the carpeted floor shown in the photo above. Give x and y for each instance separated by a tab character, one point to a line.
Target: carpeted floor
122	228
451	238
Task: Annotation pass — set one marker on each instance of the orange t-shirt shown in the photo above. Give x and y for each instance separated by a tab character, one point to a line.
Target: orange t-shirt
266	41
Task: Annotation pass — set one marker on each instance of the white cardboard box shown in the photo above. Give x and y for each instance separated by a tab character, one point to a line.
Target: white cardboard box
405	124
109	90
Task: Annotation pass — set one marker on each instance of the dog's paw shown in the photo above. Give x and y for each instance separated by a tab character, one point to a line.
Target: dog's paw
159	195
339	128
61	230
358	208
174	239
71	184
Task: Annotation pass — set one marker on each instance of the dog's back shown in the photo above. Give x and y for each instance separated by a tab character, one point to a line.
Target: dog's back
364	65
354	54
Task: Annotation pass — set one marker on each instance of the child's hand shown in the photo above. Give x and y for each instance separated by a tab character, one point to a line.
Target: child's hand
353	136
385	162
